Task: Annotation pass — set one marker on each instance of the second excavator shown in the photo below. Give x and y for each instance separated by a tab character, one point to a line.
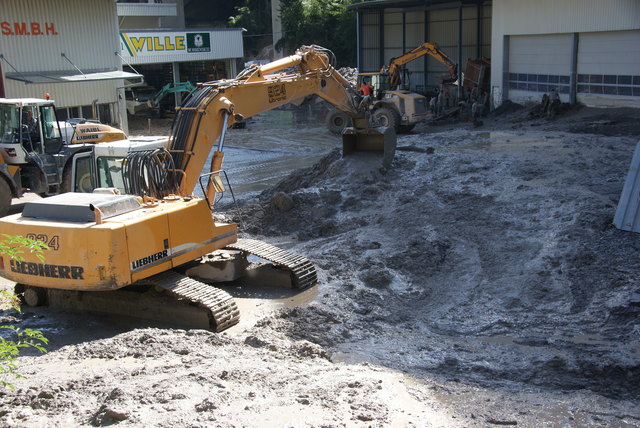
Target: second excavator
132	254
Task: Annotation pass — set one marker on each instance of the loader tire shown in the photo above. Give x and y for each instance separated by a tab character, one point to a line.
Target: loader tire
5	197
405	129
386	117
337	121
65	185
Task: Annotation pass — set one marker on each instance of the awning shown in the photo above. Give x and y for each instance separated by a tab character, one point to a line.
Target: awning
72	76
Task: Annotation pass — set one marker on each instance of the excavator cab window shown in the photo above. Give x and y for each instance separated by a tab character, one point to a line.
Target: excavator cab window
110	172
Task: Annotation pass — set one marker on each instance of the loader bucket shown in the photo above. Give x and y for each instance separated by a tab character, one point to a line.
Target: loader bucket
381	139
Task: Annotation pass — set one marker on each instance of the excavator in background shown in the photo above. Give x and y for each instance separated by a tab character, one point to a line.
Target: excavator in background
151	253
393	106
143	98
37	150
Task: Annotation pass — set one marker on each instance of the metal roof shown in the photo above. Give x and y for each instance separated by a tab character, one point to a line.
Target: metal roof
71	76
382	4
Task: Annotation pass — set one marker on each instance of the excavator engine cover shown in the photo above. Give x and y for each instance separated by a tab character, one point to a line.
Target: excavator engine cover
382	139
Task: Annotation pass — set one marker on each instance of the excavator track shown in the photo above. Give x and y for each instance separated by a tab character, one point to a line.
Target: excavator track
222	309
303	272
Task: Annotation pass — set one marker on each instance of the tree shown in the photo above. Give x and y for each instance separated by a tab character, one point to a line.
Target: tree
14	247
255	17
327	23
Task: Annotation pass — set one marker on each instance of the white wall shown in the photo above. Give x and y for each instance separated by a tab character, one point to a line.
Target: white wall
522	17
86	31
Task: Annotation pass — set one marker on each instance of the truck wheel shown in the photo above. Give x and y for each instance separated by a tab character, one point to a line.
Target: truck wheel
35	296
405	129
386	117
5	197
65	185
337	121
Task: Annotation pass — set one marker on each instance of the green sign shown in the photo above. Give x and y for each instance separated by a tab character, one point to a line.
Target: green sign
198	42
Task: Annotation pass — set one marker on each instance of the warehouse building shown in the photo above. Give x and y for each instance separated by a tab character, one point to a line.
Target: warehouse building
387	29
587	50
155	43
69	49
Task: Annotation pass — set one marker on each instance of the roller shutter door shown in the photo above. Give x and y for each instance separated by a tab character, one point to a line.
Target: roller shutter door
538	63
609	69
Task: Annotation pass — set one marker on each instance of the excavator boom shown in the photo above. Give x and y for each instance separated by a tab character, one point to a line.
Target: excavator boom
395	65
204	117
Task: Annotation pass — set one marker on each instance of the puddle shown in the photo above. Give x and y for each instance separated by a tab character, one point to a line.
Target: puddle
255	302
504	142
262	154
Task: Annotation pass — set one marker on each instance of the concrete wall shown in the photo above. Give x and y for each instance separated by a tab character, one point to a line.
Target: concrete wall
525	17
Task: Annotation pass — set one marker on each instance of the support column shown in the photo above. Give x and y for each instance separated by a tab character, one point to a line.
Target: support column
175	68
505	69
573	77
479	31
276	27
381	21
459	53
358	20
426	58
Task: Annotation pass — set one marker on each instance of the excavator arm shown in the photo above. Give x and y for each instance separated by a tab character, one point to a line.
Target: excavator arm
395	65
213	107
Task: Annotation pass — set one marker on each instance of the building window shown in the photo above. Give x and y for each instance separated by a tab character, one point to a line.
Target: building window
609	84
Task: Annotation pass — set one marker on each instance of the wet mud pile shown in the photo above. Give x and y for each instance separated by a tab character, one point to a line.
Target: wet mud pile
492	259
477	282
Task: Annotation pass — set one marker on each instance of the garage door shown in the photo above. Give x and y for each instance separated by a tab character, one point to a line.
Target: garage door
538	63
609	68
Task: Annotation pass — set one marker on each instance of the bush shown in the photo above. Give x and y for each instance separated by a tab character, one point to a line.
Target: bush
14	247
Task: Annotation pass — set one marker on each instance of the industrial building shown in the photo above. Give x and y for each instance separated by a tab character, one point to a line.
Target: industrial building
588	50
68	49
155	43
84	53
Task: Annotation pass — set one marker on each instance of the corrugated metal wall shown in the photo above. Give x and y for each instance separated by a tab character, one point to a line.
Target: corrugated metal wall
403	30
370	41
85	31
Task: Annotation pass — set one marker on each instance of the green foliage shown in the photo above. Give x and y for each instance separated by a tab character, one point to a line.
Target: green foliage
327	23
255	17
15	247
10	349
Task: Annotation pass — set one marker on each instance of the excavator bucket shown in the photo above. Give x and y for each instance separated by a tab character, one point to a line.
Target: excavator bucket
382	139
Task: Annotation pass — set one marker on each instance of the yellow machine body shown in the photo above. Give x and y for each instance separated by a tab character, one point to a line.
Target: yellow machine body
117	251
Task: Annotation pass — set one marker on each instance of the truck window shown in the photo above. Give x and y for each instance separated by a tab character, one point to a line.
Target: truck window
9	124
50	130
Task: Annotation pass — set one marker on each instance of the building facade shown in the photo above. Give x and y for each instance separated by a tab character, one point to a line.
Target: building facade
588	50
68	49
387	29
155	43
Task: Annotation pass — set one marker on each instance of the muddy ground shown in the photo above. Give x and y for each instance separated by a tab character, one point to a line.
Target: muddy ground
477	282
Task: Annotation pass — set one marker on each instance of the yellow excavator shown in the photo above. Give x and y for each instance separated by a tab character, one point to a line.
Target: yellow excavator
427	48
146	244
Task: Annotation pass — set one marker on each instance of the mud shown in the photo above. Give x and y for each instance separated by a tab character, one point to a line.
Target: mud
477	282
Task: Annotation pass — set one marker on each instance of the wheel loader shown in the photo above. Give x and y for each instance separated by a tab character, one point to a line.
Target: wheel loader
37	150
394	106
153	253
